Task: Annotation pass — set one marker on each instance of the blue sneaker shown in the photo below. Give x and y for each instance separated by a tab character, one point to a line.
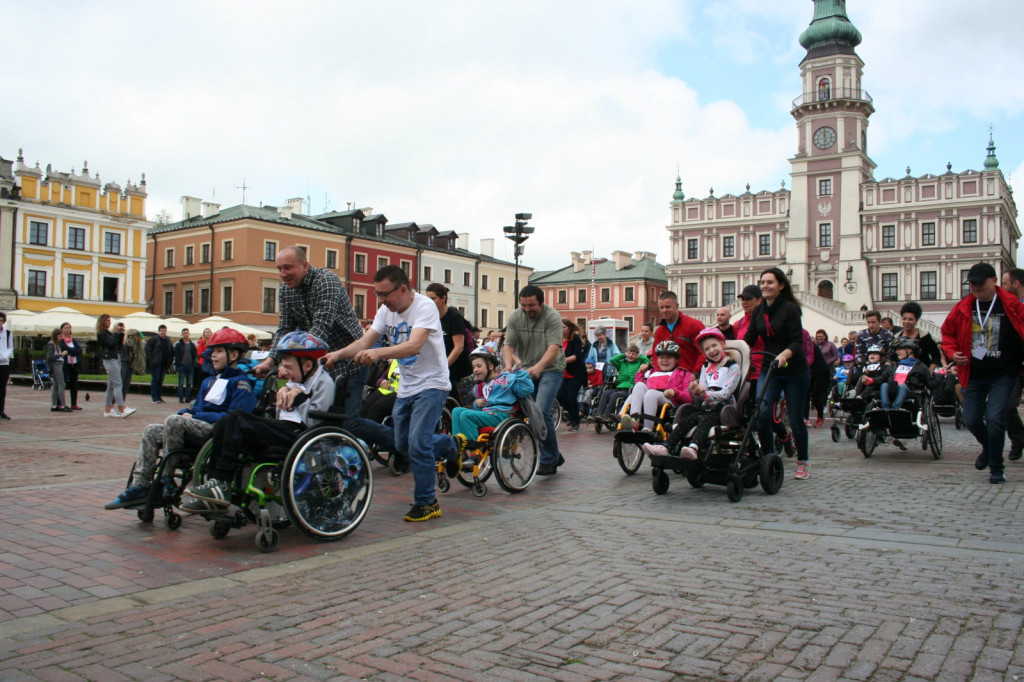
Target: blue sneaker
132	495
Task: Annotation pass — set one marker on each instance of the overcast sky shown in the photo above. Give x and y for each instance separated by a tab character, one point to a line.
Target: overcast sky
461	113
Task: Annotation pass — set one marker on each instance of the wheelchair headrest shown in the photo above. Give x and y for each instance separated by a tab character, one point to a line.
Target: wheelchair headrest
740	352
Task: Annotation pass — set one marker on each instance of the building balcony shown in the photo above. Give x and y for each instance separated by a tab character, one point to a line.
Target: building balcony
832	97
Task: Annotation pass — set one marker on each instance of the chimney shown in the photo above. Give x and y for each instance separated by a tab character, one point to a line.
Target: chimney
464	241
210	209
295	204
285	211
577	262
190	207
640	255
622	259
487	247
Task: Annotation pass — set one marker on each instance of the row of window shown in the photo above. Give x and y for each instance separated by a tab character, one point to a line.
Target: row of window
764	247
226	300
467	279
39	235
37	286
969	234
628	294
485	319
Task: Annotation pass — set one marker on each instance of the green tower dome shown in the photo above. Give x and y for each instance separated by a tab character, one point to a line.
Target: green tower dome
991	162
678	194
831	31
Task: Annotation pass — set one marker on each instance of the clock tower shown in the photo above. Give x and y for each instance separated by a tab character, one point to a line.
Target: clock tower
831	162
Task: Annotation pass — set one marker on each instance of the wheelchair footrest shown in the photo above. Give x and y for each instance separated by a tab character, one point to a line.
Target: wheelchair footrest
638	437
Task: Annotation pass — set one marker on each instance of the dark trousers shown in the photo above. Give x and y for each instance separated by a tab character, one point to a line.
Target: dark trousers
5	376
157	383
985	401
568	395
243	432
704	420
819	394
126	378
71	381
795	388
377	405
1014	426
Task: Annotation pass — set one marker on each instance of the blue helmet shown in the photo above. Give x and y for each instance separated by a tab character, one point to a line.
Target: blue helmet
302	344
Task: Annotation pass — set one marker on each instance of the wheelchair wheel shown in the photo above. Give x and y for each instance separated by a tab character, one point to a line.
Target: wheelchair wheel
958	417
837	433
772	473
484	472
219	529
660	482
556	414
516	456
398	464
695	479
934	433
629	455
734	489
327	483
867	440
598	425
200	465
851	431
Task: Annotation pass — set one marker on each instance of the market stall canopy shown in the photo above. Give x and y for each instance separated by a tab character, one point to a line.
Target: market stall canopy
21	323
148	323
82	325
216	322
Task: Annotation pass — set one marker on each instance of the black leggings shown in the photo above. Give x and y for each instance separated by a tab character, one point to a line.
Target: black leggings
704	420
71	380
243	431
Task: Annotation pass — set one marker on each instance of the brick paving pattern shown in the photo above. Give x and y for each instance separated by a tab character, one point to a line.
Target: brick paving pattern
897	567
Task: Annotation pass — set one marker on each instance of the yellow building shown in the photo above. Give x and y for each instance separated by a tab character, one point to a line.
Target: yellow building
78	242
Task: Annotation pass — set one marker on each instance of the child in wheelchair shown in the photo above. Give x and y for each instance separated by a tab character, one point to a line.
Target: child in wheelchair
717	387
907	374
666	385
620	384
227	390
309	388
868	382
590	394
495	397
842	375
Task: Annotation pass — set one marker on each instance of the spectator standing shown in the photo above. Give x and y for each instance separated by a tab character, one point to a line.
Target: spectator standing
533	338
110	348
410	321
829	351
602	350
126	356
682	329
159	357
575	374
72	351
186	357
928	350
645	344
454	328
722	316
55	362
887	325
777	322
1013	281
6	355
874	335
982	337
203	369
821	377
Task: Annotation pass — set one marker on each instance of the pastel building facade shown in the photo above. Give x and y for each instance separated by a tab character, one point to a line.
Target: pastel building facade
845	238
77	241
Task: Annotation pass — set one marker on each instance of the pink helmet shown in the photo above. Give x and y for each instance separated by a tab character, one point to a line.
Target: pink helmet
848	358
710	333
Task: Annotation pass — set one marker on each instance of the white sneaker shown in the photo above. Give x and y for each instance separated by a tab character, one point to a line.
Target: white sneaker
128	411
688	453
654	449
112	413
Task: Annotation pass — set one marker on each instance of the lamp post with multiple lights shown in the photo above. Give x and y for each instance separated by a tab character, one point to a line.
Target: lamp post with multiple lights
519	233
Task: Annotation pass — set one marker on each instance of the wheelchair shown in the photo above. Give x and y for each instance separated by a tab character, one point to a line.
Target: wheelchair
734	458
917	419
510	450
944	398
322	485
628	445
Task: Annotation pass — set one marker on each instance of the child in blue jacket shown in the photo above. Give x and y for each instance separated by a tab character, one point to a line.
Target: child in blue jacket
495	397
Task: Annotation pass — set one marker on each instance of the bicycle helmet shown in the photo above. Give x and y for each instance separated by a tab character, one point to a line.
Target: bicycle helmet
848	358
875	349
487	356
230	339
710	333
909	344
302	344
667	348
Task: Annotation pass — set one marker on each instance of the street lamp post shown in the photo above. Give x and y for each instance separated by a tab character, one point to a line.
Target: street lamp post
518	233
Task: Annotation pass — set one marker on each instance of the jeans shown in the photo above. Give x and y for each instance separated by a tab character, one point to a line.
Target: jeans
901	395
126	378
185	375
984	406
544	391
157	383
57	397
114	395
366	430
416	418
795	387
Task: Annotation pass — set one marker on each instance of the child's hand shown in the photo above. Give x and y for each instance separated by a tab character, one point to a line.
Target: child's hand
670	393
480	402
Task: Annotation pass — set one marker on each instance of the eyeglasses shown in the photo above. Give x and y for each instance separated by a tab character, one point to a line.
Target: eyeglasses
385	294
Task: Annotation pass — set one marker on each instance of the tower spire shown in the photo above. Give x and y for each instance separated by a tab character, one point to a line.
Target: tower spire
678	194
831	31
991	162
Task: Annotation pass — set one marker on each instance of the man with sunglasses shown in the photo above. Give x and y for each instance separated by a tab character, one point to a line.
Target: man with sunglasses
412	325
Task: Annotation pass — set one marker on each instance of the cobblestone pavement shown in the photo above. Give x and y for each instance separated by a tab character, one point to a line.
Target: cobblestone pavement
894	567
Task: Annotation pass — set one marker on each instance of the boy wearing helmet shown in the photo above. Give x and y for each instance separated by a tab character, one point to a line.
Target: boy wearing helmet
494	397
309	387
669	383
873	375
843	374
716	388
228	389
907	374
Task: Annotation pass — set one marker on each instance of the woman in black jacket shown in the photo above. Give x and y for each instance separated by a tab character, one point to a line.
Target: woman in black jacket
575	372
777	321
72	351
910	313
110	348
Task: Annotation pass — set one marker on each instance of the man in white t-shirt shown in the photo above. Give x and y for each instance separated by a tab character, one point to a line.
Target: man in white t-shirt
410	323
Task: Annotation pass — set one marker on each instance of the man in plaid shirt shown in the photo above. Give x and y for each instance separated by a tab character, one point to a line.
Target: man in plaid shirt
313	299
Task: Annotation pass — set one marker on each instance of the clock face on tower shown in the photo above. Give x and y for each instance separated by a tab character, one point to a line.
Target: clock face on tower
824	137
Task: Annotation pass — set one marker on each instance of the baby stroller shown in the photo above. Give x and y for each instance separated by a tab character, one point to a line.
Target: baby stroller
41	378
734	459
945	401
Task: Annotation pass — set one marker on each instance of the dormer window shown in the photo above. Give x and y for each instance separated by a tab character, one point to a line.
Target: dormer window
355	224
824	89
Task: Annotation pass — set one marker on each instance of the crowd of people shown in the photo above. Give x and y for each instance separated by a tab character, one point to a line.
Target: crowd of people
429	353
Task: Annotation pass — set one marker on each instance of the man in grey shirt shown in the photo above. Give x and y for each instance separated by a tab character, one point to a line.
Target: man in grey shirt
534	339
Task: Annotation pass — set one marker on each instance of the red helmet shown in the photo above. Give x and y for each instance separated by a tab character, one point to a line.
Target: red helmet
230	339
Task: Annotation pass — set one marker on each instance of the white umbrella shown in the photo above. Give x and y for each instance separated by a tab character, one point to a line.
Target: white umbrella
216	322
82	325
149	323
21	322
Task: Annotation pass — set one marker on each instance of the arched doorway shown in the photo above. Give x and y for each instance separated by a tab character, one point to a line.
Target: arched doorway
825	289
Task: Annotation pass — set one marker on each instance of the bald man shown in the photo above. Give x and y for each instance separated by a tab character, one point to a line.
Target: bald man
722	316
